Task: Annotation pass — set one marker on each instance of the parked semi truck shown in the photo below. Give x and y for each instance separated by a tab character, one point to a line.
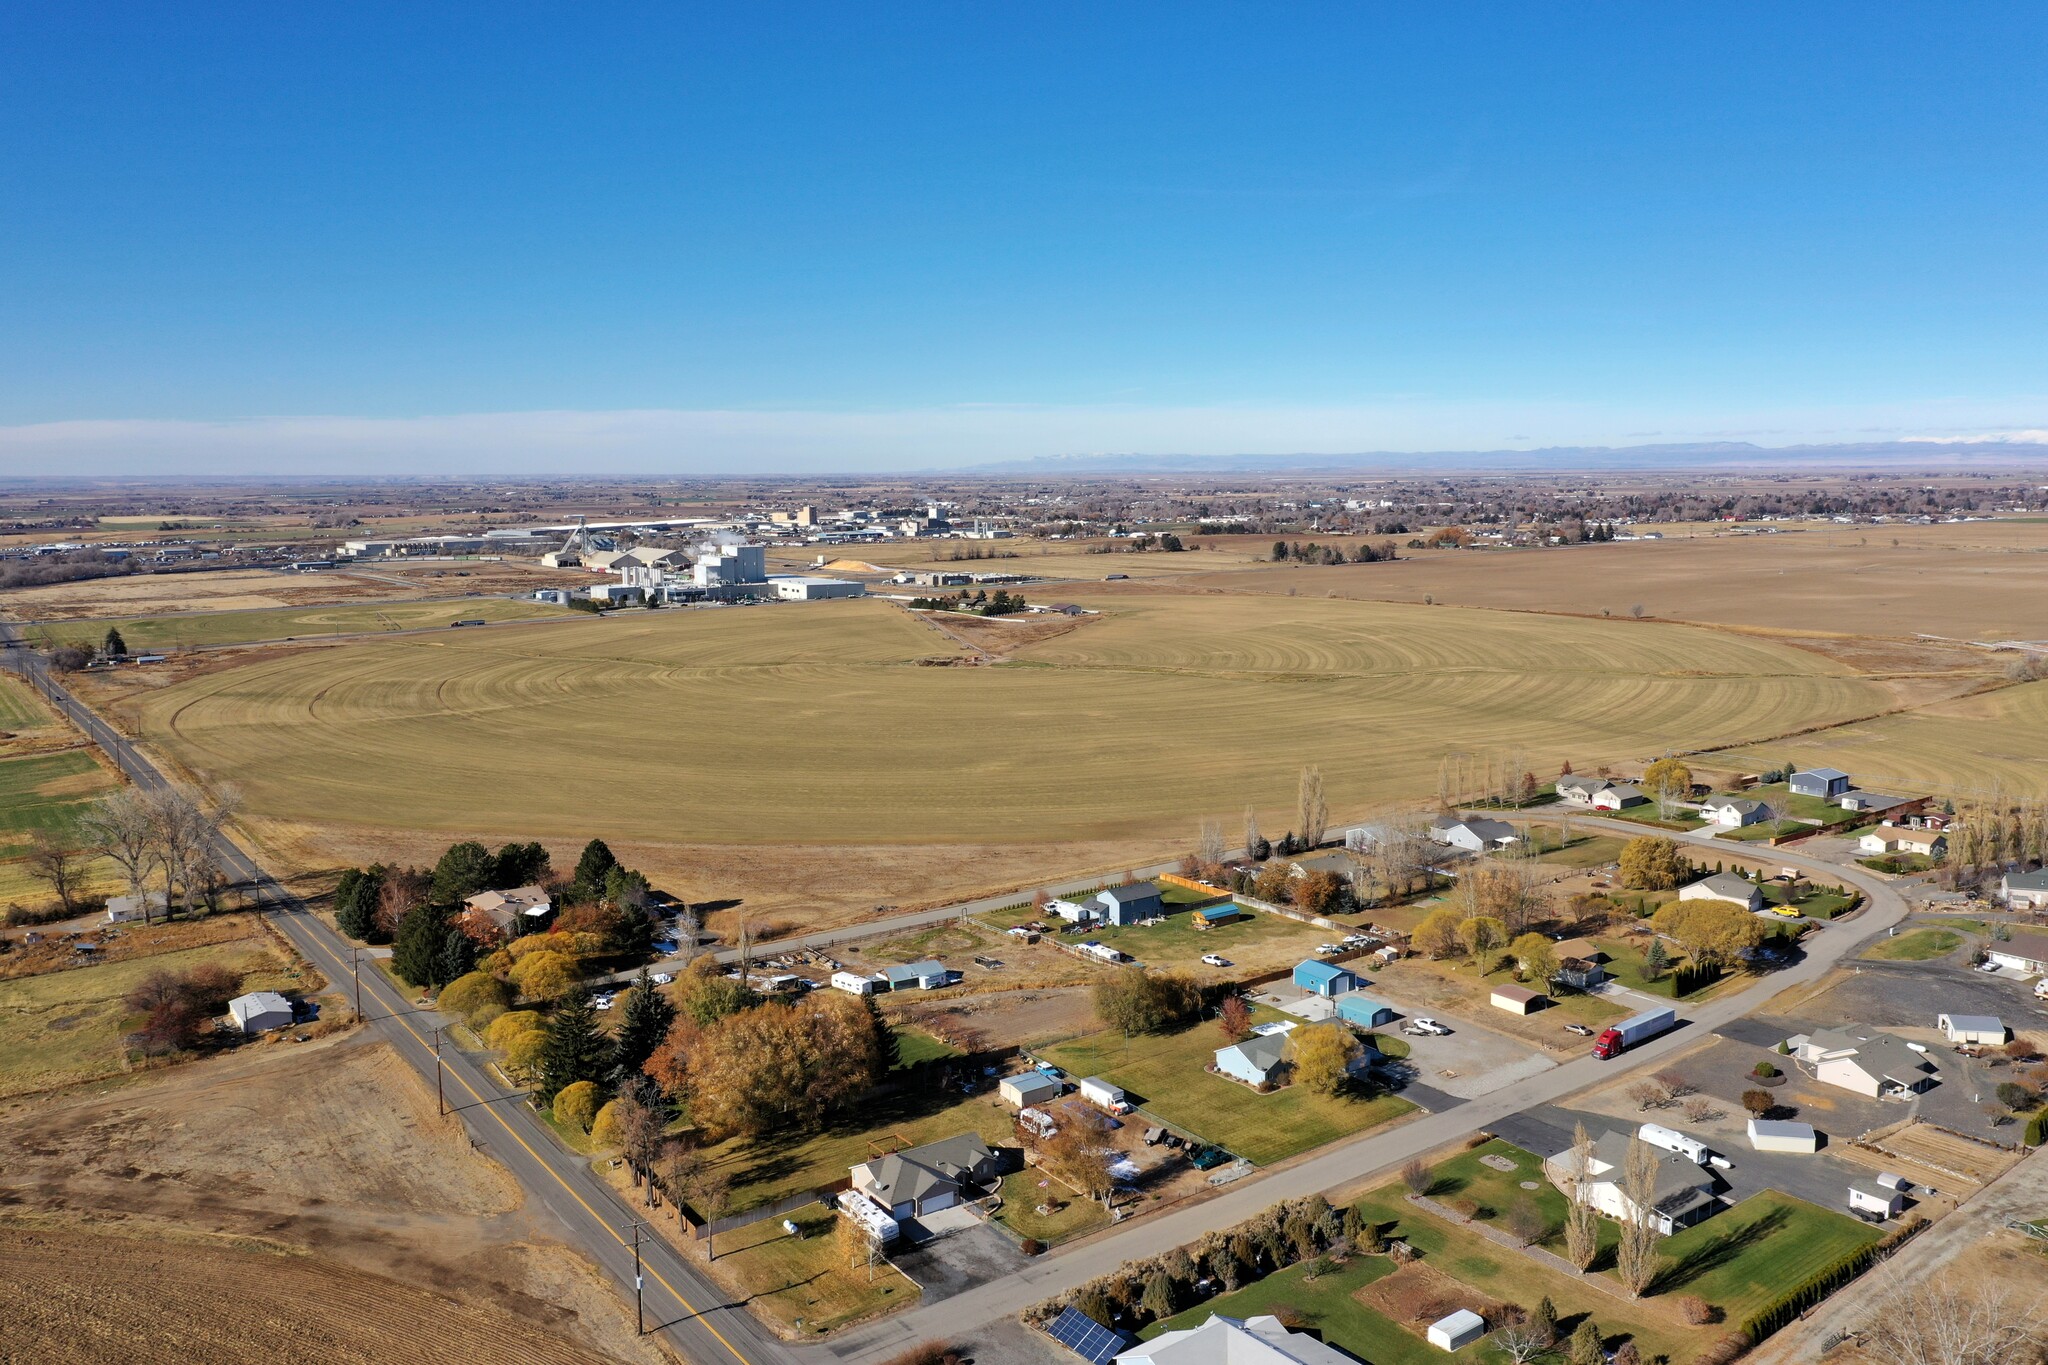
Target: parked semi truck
1635	1029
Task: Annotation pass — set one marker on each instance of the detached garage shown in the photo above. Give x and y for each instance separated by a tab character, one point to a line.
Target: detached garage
1972	1028
1516	999
260	1011
1778	1135
1363	1010
1029	1088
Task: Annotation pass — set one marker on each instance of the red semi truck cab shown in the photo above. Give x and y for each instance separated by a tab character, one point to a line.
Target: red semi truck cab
1635	1029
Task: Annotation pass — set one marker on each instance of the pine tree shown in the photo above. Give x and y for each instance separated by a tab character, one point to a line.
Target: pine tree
115	646
355	903
1585	1347
574	1049
1158	1299
890	1045
1544	1322
464	870
1655	960
455	957
646	1022
416	949
593	868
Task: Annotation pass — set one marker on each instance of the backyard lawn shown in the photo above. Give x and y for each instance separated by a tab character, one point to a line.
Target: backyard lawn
807	1277
1746	1256
914	1045
1781	800
1328	1306
1916	945
1585	850
1166	1075
778	1164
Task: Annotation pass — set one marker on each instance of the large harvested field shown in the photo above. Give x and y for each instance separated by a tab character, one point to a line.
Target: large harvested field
244	627
159	1220
1978	581
761	724
147	594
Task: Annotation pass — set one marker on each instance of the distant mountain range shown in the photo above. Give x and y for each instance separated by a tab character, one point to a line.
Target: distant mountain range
1732	456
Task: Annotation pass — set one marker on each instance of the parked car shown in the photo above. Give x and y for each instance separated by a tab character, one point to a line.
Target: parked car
1425	1028
1325	949
662	978
603	1002
1215	960
1579	1029
1987	966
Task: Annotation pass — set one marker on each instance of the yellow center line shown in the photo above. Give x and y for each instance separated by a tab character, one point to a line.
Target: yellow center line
567	1188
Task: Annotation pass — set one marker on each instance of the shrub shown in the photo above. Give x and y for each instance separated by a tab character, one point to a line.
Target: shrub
2015	1096
2037	1129
576	1105
1758	1102
1031	1246
1764	1071
1417	1176
604	1129
506	1028
1698	1311
924	1353
466	996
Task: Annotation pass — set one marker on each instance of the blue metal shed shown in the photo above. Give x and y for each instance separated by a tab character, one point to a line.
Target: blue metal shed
1363	1010
1324	978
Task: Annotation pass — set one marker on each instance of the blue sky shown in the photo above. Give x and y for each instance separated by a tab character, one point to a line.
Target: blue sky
820	236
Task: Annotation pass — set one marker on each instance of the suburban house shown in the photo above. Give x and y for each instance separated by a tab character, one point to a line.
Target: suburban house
494	916
1619	796
1876	1066
925	1179
1254	1061
926	975
1972	1028
1363	1010
1826	783
121	909
1121	905
2020	891
1724	886
1475	835
1597	793
1516	999
1324	978
260	1010
2023	952
1734	811
1028	1088
1684	1192
1890	838
1234	1341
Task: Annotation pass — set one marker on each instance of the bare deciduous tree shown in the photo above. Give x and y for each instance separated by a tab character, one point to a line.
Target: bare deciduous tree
55	862
1209	850
1522	1343
1581	1221
1251	830
1922	1324
1635	1258
1315	808
123	829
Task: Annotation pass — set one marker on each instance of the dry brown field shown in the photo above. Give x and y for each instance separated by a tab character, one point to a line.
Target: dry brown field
246	589
1802	582
349	1224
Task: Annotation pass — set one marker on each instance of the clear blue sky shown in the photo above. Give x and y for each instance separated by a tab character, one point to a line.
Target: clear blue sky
871	228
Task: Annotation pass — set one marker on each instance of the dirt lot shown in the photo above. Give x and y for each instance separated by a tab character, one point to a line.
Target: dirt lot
1023	1017
349	1172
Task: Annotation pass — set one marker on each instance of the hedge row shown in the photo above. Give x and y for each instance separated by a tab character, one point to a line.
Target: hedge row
1816	1287
2037	1129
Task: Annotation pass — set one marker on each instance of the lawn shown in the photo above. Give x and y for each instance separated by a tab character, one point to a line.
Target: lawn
1898	864
1746	1256
808	1277
1625	964
1963	922
1916	945
1814	902
20	709
279	623
1166	1075
1786	805
1584	851
1648	814
47	792
1025	1190
1468	1184
914	1045
64	1028
778	1164
1329	1307
1767	830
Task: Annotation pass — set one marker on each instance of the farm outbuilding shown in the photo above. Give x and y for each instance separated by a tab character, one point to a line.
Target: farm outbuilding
1516	999
1218	915
853	983
1324	978
1821	782
1867	1196
260	1011
926	975
1456	1332
1781	1135
1972	1028
1027	1089
1363	1010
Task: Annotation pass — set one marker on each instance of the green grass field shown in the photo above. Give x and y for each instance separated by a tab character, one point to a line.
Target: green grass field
1166	1075
1916	945
63	1028
20	709
244	627
47	792
1023	1194
914	1045
1746	1256
807	1277
1231	691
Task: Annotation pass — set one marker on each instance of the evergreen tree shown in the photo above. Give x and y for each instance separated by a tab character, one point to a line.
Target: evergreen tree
885	1036
1585	1348
1655	960
1158	1299
455	957
647	1018
464	870
1544	1322
355	903
574	1049
593	868
519	865
114	646
416	951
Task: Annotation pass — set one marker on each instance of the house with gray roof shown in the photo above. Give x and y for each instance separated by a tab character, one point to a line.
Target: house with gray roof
1878	1066
2024	891
925	1179
260	1011
1682	1192
1474	834
1724	886
1734	811
1826	783
1255	1060
1119	905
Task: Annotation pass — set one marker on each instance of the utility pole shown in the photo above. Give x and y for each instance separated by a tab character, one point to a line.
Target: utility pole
355	971
440	1103
639	1319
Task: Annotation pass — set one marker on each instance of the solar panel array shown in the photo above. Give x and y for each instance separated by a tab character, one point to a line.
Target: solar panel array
1086	1337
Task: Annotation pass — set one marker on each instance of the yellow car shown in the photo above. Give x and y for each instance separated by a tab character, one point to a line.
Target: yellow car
1787	911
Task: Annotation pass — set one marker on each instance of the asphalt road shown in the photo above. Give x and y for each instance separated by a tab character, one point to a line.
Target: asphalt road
700	1321
692	1313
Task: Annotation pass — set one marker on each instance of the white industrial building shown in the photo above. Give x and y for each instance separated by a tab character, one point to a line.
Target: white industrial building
730	566
804	588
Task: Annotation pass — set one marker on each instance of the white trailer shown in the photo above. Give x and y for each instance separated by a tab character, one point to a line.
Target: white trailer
853	983
1671	1140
